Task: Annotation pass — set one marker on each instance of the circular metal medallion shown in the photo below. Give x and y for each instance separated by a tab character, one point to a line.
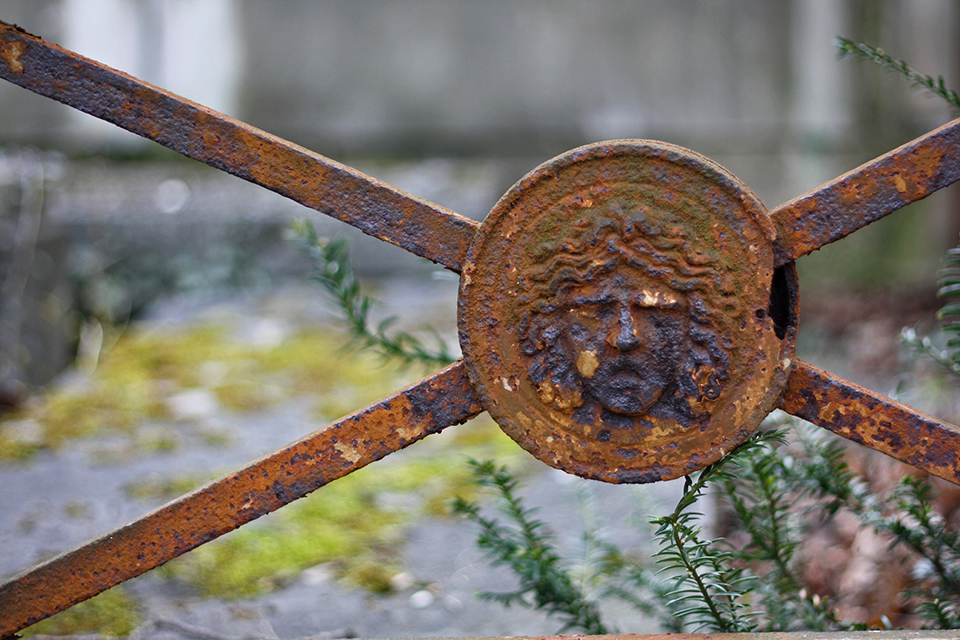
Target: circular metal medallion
620	313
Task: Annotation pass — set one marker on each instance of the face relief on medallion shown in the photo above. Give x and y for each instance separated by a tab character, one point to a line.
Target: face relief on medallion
611	329
616	287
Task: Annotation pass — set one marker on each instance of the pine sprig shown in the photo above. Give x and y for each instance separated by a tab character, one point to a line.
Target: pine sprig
761	488
754	486
925	531
948	284
823	472
526	546
710	589
641	586
925	346
948	288
919	527
334	272
936	86
707	591
942	615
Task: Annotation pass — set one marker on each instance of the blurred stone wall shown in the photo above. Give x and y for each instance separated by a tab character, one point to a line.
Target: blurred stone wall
506	77
751	83
501	77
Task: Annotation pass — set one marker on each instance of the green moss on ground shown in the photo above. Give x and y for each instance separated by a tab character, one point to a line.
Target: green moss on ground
356	523
112	613
136	379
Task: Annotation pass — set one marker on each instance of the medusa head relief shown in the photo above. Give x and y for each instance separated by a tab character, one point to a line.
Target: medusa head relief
621	319
621	314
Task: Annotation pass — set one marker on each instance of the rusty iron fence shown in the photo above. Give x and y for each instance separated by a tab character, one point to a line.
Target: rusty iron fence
627	312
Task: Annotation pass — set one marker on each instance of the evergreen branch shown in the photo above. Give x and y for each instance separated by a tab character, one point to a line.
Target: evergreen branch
704	584
761	488
936	86
755	489
823	473
944	615
925	346
925	532
527	548
698	563
334	272
640	586
948	287
914	524
709	589
948	284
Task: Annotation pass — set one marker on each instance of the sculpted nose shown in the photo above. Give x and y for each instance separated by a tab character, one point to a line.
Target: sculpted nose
624	336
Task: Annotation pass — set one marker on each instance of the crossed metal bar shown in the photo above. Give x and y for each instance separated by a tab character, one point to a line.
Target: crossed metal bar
805	224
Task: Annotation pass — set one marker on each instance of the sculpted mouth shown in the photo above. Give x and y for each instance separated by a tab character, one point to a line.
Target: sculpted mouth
627	381
623	372
627	385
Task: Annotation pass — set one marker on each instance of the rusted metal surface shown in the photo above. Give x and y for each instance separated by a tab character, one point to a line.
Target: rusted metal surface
627	312
279	478
874	421
615	316
378	209
869	192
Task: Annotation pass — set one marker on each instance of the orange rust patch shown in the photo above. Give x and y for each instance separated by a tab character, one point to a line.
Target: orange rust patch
11	52
900	183
927	161
874	421
587	363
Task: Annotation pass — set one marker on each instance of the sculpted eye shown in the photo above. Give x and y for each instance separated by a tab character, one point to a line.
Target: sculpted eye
603	311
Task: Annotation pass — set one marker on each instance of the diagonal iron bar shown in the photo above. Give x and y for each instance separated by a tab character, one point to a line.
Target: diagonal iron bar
868	193
873	420
376	208
438	401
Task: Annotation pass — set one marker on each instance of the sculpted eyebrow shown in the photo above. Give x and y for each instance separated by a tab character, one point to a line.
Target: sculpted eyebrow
602	298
